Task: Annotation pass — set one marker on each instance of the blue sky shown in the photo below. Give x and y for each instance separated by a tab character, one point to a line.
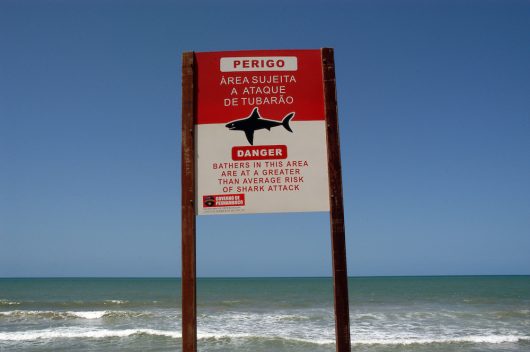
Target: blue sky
434	109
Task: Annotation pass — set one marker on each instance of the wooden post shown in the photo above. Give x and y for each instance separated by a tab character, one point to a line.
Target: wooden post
340	275
189	286
338	241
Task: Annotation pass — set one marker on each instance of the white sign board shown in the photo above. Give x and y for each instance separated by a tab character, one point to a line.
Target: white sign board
260	132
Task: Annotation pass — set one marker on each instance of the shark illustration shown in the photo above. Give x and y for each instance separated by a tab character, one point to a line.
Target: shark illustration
255	122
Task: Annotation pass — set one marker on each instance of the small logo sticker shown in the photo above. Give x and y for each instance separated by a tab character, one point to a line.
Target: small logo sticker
223	200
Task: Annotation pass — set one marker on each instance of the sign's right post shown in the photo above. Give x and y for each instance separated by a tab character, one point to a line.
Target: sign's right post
338	241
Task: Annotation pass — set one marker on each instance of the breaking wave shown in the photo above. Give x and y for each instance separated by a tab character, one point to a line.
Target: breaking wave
76	332
6	302
491	339
115	301
67	333
56	315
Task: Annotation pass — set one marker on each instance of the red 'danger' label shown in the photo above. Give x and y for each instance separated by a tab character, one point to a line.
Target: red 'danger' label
262	152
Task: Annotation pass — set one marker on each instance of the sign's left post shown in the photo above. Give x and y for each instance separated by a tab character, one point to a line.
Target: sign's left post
189	287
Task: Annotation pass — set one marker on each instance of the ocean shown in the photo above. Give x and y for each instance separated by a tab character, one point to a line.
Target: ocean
450	314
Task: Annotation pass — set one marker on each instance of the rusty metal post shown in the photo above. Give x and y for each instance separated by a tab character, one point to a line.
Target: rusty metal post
189	285
338	241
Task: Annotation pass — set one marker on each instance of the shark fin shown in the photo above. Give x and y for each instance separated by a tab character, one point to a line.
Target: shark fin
255	114
250	136
285	121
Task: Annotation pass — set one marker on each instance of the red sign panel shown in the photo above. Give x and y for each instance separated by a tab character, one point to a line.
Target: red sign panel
260	131
225	94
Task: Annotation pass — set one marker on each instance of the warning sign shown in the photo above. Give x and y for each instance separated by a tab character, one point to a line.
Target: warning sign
260	132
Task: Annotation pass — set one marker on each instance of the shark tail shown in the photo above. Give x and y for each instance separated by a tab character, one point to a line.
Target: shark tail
285	121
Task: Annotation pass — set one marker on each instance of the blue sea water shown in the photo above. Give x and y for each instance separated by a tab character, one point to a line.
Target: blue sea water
267	314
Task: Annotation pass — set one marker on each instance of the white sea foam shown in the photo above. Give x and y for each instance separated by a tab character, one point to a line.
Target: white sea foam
492	339
378	328
115	301
90	315
243	336
68	333
27	313
76	332
54	314
6	302
220	335
291	326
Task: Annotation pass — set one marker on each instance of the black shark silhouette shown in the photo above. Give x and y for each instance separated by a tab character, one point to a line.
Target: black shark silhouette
255	122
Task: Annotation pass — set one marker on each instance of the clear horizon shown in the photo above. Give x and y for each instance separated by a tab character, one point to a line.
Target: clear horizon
434	122
263	277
